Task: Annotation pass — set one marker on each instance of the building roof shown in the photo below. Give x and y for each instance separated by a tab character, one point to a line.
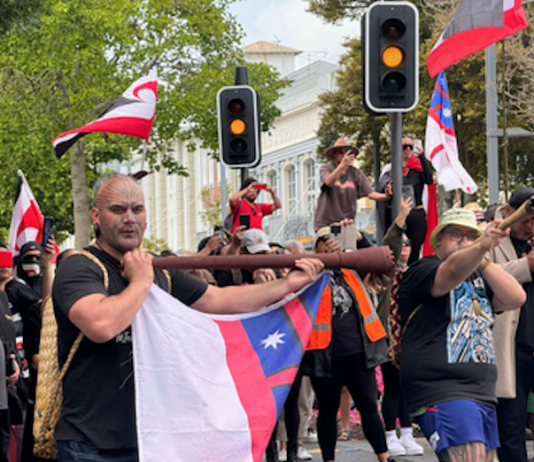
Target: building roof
269	48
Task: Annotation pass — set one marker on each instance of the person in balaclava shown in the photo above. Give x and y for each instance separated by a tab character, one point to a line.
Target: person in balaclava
28	268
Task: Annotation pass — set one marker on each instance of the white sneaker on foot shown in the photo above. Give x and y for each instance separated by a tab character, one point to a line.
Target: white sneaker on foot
312	436
282	455
302	454
395	448
412	447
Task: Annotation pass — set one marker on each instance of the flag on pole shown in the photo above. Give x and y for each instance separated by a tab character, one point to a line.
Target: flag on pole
131	114
477	24
216	388
27	220
441	148
430	204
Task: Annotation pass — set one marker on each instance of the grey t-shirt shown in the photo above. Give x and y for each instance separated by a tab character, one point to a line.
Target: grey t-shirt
338	201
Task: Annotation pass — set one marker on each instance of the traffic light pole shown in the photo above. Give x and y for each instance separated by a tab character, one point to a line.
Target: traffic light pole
396	161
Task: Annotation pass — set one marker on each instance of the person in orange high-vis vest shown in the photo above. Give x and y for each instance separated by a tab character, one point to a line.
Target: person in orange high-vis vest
346	344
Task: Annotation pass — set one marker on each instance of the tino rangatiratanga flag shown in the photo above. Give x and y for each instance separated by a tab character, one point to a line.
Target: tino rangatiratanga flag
131	114
477	24
27	220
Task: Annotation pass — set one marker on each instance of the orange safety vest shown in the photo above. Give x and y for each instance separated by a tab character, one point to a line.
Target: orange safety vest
321	335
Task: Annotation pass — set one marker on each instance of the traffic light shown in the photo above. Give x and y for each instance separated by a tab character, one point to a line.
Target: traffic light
390	32
239	127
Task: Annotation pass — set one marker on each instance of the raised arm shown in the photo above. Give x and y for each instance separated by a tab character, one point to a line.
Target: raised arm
244	299
462	263
276	200
393	237
342	167
234	198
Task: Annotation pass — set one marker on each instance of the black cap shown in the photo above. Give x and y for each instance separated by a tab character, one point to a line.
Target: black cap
520	196
32	245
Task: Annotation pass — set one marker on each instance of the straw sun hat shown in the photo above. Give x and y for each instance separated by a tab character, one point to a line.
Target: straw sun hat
340	144
457	217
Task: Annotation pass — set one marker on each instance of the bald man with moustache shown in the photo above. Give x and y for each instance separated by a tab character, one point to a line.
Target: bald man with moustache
97	421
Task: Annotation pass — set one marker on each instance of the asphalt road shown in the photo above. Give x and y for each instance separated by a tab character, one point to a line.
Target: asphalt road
360	451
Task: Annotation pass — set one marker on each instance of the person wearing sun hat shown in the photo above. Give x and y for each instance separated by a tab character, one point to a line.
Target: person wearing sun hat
448	369
342	185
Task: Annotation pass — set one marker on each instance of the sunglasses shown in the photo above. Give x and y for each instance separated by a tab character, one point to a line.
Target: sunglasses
457	235
407	146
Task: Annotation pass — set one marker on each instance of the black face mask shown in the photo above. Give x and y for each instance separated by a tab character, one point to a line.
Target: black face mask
26	259
30	265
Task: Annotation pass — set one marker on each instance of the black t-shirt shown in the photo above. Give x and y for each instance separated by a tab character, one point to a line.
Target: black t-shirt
447	347
523	337
346	336
98	389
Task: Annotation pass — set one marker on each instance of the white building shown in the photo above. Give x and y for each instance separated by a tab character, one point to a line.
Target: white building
289	162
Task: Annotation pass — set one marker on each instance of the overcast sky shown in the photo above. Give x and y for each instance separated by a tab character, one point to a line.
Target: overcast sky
288	23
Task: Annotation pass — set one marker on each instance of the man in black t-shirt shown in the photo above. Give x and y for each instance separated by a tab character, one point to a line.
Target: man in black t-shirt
98	417
448	367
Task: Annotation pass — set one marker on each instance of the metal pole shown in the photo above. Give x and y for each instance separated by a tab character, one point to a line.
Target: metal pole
376	173
244	174
376	159
396	161
224	199
491	127
504	124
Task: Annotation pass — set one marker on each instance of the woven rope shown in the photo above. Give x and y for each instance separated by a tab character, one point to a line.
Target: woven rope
49	394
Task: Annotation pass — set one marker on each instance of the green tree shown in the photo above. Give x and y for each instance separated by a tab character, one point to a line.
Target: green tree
344	115
16	12
62	70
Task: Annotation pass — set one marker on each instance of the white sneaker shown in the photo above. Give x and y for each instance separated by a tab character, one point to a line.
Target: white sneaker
302	454
395	448
412	447
282	455
312	436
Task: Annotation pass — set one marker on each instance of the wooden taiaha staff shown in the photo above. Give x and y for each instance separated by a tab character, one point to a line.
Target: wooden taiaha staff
522	213
376	260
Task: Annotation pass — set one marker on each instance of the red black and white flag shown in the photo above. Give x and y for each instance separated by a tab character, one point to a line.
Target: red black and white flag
27	220
477	24
131	114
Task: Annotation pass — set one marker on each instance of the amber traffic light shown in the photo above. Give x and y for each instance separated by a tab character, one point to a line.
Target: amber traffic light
390	51
238	113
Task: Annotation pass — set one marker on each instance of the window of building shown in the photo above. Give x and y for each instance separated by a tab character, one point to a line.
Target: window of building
310	185
271	179
291	189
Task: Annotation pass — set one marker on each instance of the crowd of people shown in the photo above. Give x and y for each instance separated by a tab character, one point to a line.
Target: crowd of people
450	333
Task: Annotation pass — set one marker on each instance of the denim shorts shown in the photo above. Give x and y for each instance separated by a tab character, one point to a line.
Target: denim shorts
458	422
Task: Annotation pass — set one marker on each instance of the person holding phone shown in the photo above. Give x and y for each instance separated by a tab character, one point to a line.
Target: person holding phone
417	172
341	186
245	211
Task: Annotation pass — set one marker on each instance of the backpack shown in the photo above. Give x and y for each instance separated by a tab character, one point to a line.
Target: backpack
49	393
395	330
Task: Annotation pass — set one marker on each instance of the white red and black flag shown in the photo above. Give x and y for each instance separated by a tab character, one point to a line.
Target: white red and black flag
27	220
477	24
131	114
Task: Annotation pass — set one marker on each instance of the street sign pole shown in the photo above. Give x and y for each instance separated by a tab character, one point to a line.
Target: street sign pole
396	161
491	125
